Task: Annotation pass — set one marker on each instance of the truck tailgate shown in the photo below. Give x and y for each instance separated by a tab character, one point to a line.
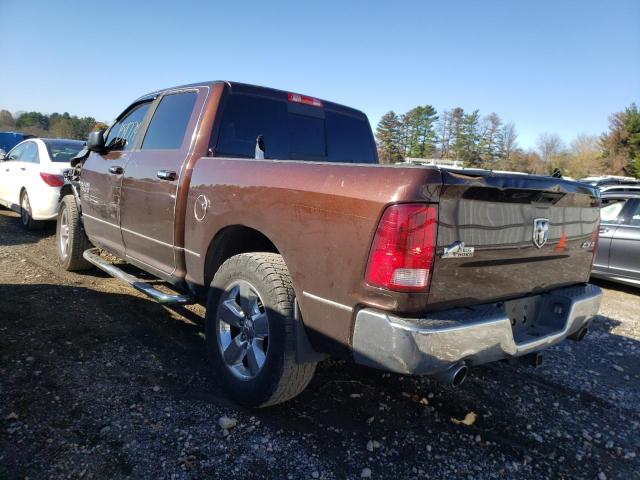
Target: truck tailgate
496	215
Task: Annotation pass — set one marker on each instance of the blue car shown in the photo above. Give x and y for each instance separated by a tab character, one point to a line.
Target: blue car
8	140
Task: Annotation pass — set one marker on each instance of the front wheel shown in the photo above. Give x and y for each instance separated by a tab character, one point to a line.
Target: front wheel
71	240
26	216
251	331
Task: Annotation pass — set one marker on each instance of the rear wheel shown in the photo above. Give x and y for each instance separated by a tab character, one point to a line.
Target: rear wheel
26	216
71	240
251	331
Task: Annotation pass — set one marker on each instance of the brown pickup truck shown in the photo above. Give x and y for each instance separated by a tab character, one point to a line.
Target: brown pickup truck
270	207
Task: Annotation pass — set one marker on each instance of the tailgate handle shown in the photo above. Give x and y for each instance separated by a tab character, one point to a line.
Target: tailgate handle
548	198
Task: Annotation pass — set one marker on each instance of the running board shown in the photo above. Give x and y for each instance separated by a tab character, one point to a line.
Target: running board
94	258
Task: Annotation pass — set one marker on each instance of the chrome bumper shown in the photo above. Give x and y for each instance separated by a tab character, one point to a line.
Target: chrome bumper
473	335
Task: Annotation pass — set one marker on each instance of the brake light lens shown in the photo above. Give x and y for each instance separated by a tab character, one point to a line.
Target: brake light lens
52	179
297	98
403	249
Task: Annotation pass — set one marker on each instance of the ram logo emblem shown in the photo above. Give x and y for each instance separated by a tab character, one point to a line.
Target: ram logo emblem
540	231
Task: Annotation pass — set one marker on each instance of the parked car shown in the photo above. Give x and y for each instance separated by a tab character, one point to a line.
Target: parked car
8	140
31	177
618	257
607	180
269	207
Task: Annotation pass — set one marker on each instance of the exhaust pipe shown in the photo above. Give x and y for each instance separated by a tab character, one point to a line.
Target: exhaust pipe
580	334
454	375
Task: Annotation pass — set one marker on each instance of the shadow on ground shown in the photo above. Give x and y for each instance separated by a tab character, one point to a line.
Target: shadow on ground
106	355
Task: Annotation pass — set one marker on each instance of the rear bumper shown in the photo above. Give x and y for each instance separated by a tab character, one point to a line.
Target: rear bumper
44	203
473	335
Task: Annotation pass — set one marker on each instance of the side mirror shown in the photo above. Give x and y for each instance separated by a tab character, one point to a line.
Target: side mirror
95	141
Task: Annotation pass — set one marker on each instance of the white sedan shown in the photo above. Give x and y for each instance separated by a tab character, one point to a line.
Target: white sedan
31	177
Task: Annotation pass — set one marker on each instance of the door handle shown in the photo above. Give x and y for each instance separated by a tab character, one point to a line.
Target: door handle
604	229
23	168
116	170
167	175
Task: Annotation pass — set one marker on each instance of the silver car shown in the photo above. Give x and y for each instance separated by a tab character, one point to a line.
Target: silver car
618	257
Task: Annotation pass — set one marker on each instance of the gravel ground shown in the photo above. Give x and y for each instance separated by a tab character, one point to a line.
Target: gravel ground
98	382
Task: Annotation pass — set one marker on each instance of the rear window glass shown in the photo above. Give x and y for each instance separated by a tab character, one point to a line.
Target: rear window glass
63	152
292	131
169	123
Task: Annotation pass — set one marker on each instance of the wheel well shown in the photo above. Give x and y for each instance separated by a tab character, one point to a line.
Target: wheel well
231	241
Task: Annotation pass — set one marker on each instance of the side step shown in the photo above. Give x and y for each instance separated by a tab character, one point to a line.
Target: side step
94	258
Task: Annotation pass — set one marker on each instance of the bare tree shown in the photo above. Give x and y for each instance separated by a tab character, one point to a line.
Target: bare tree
550	146
585	157
508	143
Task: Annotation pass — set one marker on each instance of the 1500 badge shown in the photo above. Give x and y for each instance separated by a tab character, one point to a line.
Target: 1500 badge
457	250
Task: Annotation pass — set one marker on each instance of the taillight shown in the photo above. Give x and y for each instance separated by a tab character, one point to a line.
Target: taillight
52	179
403	248
297	98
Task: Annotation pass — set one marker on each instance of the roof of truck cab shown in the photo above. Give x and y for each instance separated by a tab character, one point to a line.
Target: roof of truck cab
238	87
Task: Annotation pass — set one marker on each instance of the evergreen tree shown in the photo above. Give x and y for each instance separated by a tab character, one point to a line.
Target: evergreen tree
420	131
621	145
389	136
456	133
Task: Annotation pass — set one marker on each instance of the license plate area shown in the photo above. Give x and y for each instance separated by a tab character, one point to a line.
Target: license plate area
536	316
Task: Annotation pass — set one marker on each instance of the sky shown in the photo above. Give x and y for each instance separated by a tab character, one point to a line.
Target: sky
548	66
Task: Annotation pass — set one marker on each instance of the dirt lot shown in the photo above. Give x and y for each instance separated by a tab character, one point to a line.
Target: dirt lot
98	382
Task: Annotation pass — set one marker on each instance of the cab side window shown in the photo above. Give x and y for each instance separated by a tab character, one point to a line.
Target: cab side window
122	134
30	153
169	123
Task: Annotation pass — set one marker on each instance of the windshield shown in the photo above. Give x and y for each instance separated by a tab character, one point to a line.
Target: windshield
63	152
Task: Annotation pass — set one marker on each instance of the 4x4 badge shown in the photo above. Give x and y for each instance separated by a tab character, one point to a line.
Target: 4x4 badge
457	250
540	231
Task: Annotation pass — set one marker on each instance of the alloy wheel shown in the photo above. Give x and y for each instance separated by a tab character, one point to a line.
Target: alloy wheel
242	330
25	209
63	234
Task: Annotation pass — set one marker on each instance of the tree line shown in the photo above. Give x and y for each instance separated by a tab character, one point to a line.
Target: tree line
55	125
489	142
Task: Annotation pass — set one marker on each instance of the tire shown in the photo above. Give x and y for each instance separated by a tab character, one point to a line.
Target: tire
26	219
71	241
257	283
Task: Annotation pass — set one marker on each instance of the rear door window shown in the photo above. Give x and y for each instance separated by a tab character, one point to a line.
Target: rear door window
291	131
169	123
30	153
